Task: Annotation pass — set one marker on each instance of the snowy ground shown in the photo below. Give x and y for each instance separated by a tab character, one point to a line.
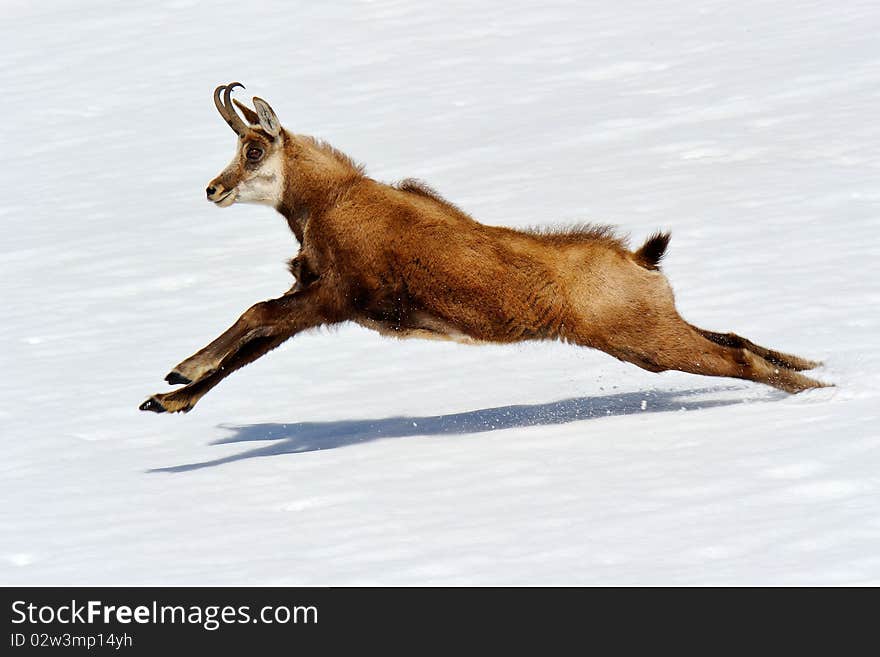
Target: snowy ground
748	128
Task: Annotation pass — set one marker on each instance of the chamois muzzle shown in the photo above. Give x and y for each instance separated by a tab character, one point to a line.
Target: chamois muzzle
219	195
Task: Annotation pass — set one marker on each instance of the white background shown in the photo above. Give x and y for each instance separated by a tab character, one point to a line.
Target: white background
749	129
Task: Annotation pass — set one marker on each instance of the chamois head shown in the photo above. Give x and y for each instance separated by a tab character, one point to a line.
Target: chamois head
256	173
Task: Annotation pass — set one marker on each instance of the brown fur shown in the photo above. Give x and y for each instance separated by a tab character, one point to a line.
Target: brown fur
402	260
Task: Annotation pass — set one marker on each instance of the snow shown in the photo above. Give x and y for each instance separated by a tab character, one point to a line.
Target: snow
749	129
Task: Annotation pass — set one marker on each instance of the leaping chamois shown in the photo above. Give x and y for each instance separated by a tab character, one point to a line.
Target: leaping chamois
402	260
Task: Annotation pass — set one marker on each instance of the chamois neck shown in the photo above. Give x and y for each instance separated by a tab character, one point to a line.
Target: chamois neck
315	175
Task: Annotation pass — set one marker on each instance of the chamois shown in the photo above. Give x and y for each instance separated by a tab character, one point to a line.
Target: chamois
402	260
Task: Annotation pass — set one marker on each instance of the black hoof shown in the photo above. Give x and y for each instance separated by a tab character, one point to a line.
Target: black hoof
174	378
152	405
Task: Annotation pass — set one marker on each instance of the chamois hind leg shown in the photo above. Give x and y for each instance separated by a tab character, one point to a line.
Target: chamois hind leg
674	344
772	356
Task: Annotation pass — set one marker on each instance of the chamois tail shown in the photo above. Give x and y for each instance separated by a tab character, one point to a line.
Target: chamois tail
652	251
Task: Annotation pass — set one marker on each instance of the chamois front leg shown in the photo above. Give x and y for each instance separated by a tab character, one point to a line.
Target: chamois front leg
205	361
260	329
184	399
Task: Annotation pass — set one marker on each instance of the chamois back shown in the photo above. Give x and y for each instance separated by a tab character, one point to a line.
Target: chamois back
420	188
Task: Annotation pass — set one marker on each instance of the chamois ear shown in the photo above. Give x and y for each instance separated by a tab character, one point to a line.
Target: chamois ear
266	115
249	114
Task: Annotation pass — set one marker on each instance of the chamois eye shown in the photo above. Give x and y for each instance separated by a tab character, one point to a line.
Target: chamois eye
254	154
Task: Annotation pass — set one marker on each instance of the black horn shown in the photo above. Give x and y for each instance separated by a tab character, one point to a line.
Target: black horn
227	111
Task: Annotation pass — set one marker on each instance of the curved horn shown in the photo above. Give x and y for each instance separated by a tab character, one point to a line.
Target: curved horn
227	111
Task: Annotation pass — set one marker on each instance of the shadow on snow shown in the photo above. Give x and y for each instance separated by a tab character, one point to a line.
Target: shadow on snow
310	436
